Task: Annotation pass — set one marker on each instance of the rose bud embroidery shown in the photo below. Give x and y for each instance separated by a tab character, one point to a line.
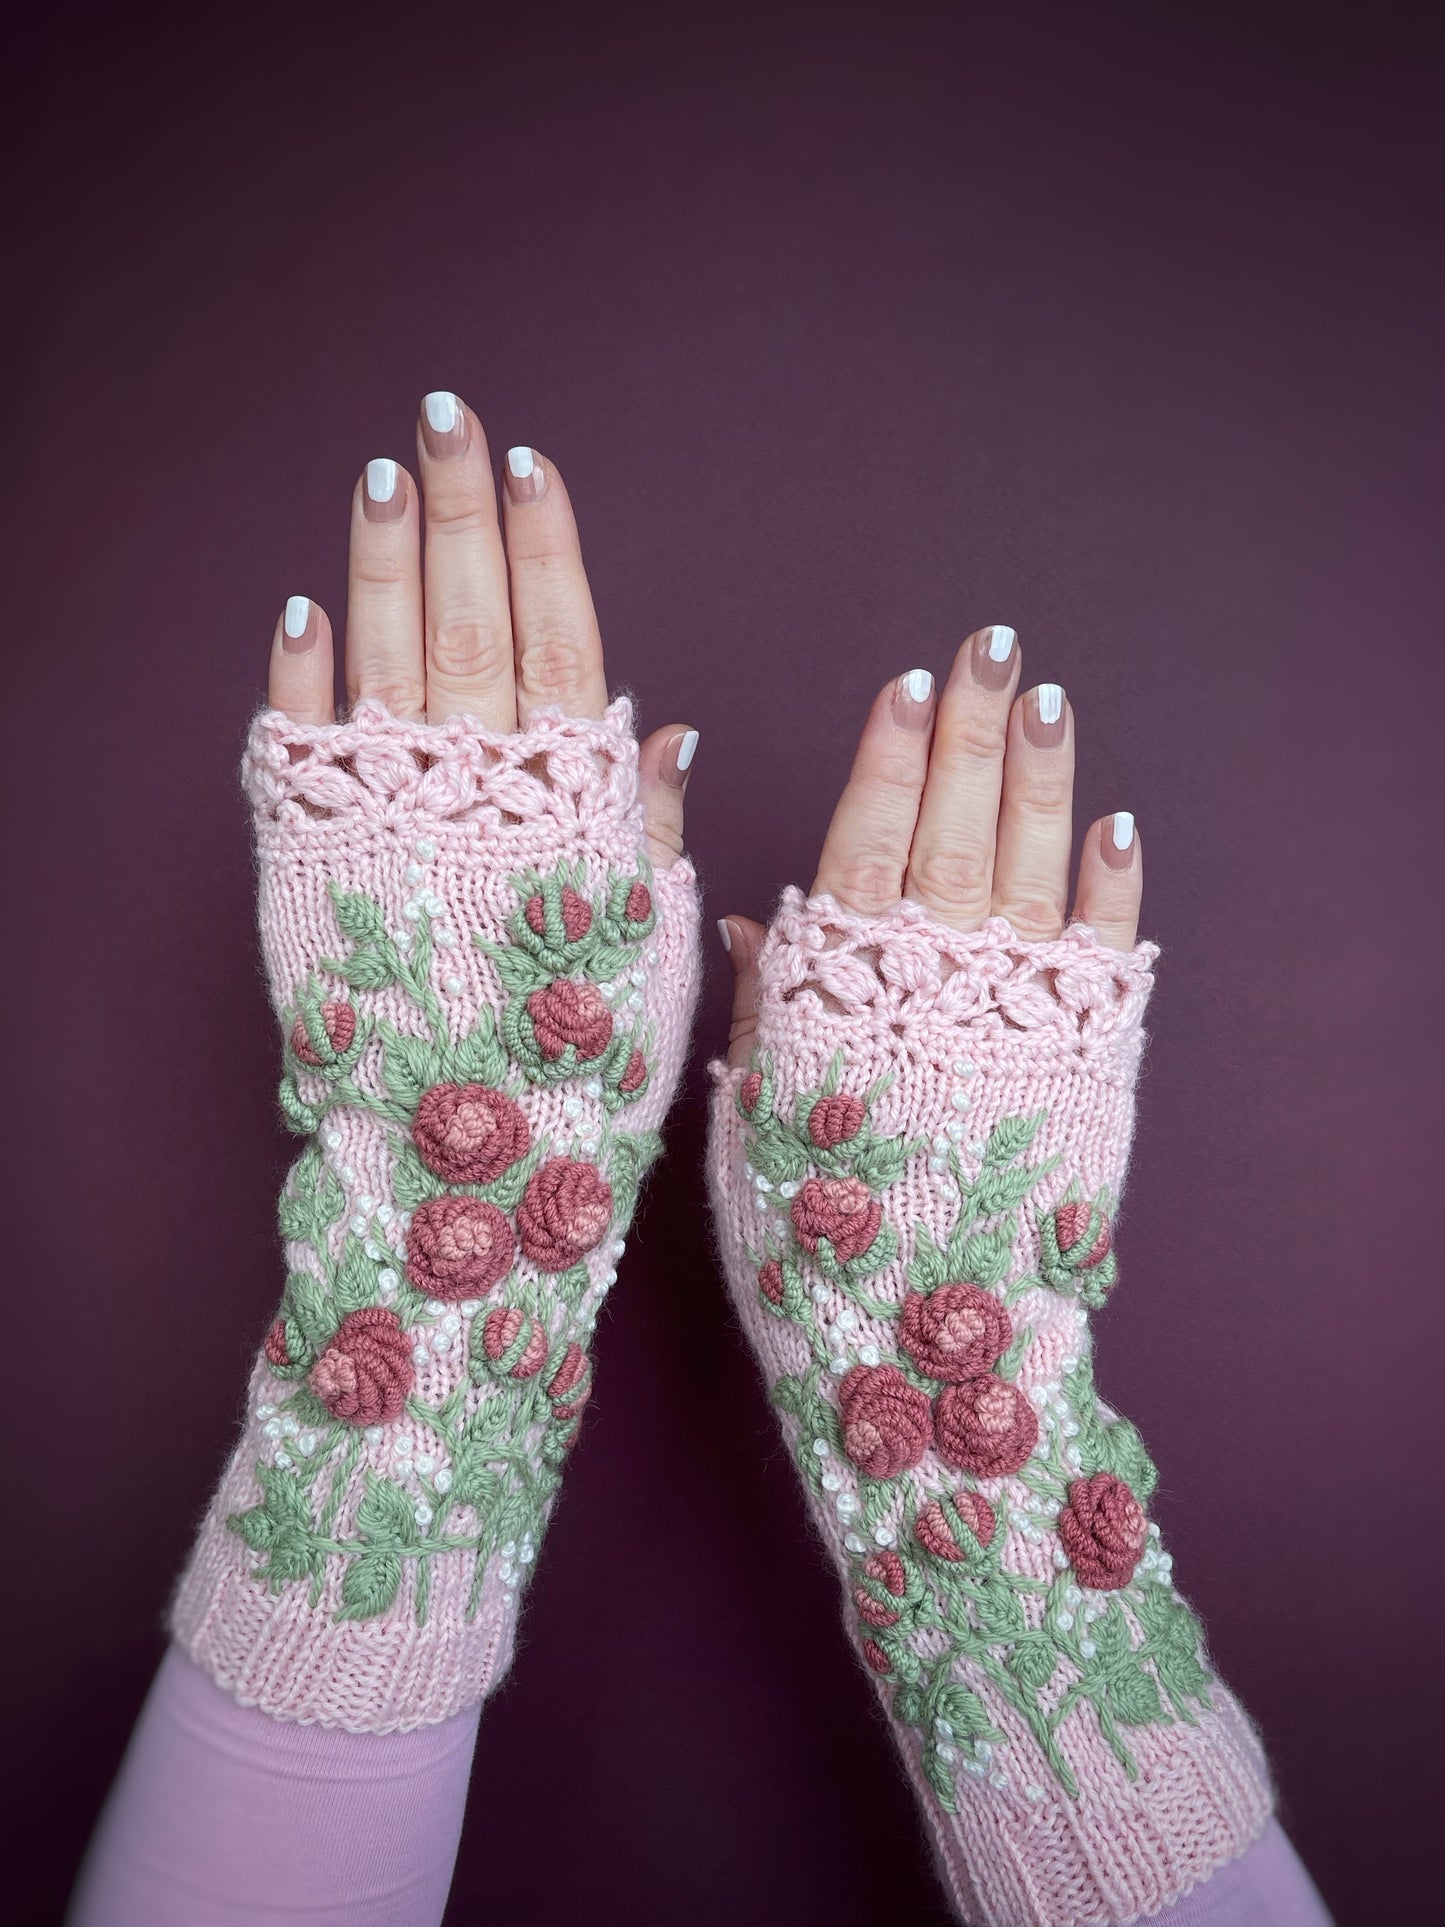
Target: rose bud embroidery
956	1332
458	1248
770	1281
876	1657
1104	1529
576	915
638	907
1071	1227
572	1013
275	1344
749	1091
936	1527
338	1020
834	1121
635	1076
366	1371
514	1342
564	1213
986	1426
886	1569
842	1210
469	1134
887	1424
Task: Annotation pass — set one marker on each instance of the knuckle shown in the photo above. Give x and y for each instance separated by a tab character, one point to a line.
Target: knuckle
951	875
867	881
974	738
1035	913
552	666
400	694
470	650
379	569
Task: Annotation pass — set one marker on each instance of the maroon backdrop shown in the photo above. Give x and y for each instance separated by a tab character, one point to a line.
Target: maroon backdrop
849	337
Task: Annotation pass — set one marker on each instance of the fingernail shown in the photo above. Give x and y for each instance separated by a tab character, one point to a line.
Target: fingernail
443	425
913	701
677	760
524	475
1116	840
724	930
1044	723
298	631
993	656
383	498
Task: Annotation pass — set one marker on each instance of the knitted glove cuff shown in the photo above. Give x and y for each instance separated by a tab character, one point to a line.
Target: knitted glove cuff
915	1182
485	994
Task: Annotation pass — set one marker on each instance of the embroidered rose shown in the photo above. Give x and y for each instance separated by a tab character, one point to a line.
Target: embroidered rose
834	1120
887	1425
770	1281
468	1134
338	1020
986	1426
564	1213
510	1333
842	1210
1071	1227
749	1091
458	1248
571	1384
275	1344
936	1527
886	1568
1103	1529
635	1076
576	915
638	907
954	1333
366	1371
876	1657
568	1012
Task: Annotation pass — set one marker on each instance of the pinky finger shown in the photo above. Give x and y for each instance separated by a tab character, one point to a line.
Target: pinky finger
1111	881
742	939
662	770
301	673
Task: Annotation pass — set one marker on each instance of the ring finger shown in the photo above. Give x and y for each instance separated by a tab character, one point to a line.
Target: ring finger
1035	825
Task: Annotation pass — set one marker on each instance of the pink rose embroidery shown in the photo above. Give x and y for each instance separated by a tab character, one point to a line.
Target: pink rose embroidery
564	1214
956	1332
468	1134
986	1426
365	1373
834	1121
508	1328
842	1210
1103	1529
338	1020
458	1248
568	1012
576	915
1071	1227
935	1531
887	1424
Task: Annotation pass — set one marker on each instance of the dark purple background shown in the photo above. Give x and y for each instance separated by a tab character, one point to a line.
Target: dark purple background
849	339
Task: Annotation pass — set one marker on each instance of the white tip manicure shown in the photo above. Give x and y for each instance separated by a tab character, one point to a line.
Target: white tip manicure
521	463
1051	702
919	684
687	749
298	614
1123	829
381	479
1001	640
442	410
725	933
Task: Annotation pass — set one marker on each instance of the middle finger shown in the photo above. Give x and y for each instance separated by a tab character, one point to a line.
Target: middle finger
468	620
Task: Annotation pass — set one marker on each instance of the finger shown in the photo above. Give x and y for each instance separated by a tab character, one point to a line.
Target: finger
950	867
554	626
865	853
742	939
464	570
1111	881
384	654
1035	824
663	765
300	680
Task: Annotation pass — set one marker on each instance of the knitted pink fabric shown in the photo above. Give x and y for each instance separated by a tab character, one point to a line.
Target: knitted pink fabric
484	993
915	1183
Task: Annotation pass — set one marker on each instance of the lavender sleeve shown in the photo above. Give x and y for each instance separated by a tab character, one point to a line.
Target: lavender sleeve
224	1817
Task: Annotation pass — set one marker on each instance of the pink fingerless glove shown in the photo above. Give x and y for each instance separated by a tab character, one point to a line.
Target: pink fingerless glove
485	993
914	1184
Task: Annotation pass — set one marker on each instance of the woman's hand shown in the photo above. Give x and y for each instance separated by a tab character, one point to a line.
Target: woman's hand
470	614
964	802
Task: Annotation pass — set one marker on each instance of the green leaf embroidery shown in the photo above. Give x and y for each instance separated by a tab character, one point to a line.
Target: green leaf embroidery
386	1515
369	1584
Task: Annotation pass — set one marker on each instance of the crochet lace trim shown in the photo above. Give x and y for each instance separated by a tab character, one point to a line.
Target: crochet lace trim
381	771
904	969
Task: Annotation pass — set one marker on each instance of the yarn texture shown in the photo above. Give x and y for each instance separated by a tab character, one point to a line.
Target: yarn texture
915	1183
484	994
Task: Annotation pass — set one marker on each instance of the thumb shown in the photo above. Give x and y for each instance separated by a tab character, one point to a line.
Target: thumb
742	939
663	763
